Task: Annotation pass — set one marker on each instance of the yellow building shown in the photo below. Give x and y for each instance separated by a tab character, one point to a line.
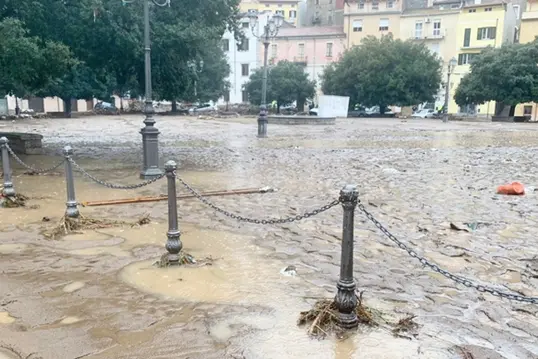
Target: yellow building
287	8
481	24
436	28
528	32
363	18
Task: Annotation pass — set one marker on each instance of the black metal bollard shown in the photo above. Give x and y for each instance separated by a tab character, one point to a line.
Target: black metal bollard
346	299
173	242
9	190
262	122
71	204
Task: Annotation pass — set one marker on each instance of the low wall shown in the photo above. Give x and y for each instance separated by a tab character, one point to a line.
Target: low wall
24	143
300	120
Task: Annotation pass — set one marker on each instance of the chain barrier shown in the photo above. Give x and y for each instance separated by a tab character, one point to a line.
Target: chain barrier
456	278
33	169
112	185
255	220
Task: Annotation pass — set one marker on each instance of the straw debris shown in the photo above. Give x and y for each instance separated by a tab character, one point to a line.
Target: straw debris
18	200
323	318
406	328
184	259
68	225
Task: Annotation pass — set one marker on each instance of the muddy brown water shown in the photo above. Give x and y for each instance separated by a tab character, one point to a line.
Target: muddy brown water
97	295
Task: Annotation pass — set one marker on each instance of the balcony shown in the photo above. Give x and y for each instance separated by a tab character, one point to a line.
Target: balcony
438	34
303	60
531	15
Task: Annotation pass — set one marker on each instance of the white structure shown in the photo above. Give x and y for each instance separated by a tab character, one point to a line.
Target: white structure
243	60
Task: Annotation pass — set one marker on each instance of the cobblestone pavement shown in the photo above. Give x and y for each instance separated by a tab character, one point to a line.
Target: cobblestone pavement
415	176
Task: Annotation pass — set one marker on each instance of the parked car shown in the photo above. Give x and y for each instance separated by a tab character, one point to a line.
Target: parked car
206	107
105	107
374	112
424	113
357	113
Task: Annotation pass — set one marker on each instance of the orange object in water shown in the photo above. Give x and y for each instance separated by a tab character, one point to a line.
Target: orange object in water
515	188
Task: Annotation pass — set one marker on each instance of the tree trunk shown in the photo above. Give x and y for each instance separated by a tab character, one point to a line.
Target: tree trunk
67	107
17	108
382	109
300	105
174	106
278	107
121	103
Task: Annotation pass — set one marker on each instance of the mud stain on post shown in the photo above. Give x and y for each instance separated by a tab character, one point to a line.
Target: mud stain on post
5	318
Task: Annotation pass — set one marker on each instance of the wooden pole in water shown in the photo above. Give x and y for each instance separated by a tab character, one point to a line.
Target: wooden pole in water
181	196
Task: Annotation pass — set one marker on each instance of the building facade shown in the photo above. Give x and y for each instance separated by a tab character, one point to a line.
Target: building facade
322	13
373	17
287	8
528	33
243	58
481	23
313	47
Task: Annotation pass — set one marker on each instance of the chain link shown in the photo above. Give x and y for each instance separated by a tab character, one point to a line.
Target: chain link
255	220
112	185
33	169
456	278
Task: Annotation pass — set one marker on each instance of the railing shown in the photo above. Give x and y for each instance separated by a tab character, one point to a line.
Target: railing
346	300
428	34
300	59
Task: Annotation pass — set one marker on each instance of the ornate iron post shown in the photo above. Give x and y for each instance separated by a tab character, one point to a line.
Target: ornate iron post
270	30
71	204
346	299
9	190
150	134
173	242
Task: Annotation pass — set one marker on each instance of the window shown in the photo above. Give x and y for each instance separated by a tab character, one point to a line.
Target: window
516	10
488	9
266	5
390	4
245	25
436	28
227	96
273	50
292	14
527	110
435	48
300	51
383	24
252	11
225	45
486	33
472	10
243	46
467	38
329	50
418	29
279	5
361	5
317	2
357	25
244	96
455	6
280	12
244	70
465	59
375	5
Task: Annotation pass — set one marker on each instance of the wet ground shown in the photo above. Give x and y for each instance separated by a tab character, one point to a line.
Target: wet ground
97	295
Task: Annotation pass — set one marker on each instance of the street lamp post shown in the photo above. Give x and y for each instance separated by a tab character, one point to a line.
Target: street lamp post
451	65
270	30
150	134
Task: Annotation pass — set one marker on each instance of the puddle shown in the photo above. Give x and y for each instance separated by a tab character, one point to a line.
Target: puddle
5	318
73	287
240	274
12	248
70	320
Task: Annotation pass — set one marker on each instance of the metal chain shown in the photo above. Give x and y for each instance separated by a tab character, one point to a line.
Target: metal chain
112	185
458	279
254	220
33	169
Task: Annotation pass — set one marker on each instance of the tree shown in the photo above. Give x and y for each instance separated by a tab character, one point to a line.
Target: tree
507	75
383	71
286	82
26	64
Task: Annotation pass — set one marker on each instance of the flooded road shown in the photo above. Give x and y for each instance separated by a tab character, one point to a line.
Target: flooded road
97	294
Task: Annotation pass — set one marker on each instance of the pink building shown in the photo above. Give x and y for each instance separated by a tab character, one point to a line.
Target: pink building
314	47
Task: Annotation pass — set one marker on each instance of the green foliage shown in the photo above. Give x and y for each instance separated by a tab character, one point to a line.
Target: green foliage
286	82
27	64
508	75
103	41
383	71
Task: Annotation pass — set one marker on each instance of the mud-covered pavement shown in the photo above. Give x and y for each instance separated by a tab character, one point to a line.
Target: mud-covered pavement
96	295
